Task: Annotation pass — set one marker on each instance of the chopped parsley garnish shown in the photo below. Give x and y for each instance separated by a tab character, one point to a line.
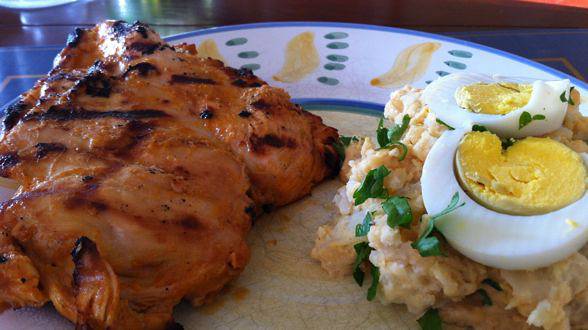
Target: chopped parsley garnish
486	301
526	118
492	284
427	244
507	142
398	211
479	128
389	138
439	121
373	289
340	149
341	144
431	320
363	228
569	99
372	186
539	117
362	253
346	140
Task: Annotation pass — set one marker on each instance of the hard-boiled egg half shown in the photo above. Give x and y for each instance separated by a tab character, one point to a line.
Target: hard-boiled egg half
497	103
524	209
526	205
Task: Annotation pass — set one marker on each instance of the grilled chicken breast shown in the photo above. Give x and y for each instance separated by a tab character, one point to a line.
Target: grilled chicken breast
141	166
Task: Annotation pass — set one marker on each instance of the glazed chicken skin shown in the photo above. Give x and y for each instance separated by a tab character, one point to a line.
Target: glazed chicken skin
141	167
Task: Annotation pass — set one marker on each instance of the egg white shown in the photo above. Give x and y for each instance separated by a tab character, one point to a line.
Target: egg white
545	100
491	238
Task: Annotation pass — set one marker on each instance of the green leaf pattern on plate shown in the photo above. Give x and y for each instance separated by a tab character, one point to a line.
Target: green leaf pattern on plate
337	45
336	35
334	66
328	81
236	41
337	58
455	65
460	53
248	54
251	66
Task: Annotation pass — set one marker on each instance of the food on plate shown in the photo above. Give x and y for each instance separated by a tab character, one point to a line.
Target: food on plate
496	108
532	176
447	212
140	168
493	98
525	203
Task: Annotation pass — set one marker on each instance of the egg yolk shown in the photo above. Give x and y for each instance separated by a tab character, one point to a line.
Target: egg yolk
493	99
533	176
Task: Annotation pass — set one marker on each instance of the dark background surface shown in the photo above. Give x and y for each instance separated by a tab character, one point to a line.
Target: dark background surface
51	25
555	35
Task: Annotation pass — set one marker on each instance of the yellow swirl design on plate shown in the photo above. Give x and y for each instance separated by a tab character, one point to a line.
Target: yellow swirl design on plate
208	48
301	59
409	65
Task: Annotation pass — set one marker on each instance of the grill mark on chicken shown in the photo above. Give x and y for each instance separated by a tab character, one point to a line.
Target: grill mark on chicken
122	29
7	161
238	73
206	113
173	325
332	161
95	286
244	114
146	48
268	208
190	223
87	178
136	131
185	79
246	84
73	39
13	114
97	85
62	76
258	144
166	46
142	68
43	149
261	104
83	246
242	77
59	114
80	199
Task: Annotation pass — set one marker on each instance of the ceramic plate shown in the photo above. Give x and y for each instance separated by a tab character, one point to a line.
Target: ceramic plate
344	73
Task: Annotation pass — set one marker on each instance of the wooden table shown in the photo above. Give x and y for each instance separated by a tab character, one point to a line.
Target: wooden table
553	35
51	25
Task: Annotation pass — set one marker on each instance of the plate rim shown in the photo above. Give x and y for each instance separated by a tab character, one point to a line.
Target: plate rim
359	26
380	28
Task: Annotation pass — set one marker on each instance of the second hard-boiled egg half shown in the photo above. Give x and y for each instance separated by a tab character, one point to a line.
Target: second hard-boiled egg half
525	206
508	106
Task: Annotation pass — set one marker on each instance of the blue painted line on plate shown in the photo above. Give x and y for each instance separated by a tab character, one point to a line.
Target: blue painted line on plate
340	102
495	51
